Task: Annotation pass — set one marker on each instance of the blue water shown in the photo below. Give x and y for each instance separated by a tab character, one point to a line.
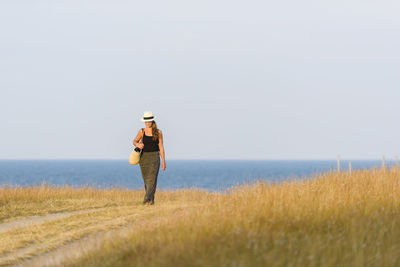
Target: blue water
213	175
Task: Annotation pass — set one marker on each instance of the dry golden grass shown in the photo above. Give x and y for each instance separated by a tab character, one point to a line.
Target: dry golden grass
333	219
18	202
101	210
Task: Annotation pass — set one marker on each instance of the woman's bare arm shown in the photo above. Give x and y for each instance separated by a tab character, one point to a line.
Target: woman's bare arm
161	147
137	139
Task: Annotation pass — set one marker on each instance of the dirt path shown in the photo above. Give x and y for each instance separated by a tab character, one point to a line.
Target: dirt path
38	219
73	249
13	256
67	253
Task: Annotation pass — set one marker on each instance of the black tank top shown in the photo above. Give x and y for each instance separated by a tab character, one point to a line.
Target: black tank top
150	145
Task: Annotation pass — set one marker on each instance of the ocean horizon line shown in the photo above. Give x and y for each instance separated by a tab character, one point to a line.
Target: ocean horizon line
200	159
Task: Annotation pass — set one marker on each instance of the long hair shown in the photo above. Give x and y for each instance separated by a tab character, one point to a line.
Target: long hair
154	130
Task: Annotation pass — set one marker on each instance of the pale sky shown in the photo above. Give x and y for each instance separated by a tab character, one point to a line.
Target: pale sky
225	79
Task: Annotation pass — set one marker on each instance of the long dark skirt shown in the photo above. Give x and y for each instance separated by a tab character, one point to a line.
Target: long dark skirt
149	166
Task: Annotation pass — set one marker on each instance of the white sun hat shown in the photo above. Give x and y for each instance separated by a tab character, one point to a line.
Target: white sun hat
148	116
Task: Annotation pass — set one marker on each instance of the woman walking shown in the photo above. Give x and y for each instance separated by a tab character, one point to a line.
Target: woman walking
152	147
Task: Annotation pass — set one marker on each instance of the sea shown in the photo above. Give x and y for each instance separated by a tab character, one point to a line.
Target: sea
211	175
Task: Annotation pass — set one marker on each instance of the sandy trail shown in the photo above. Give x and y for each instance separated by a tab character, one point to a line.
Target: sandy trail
5	259
39	219
74	249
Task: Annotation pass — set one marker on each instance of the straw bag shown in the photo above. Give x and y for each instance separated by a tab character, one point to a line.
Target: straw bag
134	157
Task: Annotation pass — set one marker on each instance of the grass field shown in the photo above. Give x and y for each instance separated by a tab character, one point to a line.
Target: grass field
332	219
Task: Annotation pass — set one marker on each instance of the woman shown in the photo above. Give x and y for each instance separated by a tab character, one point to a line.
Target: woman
152	147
